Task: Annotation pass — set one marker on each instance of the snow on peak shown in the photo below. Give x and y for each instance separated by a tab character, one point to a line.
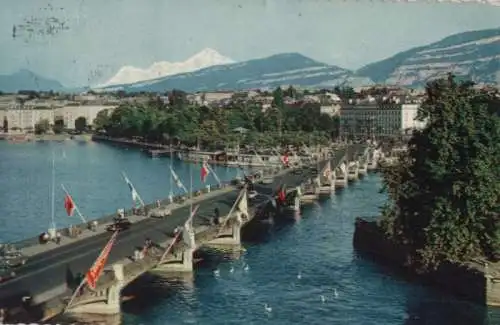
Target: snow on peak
205	58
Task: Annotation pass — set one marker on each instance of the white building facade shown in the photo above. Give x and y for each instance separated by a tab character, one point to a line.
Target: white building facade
368	120
26	118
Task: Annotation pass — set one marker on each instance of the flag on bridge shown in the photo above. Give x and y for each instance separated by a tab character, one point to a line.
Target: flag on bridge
284	160
177	180
69	205
135	196
95	271
204	172
282	194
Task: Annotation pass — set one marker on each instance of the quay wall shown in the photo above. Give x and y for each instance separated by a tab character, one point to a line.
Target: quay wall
470	280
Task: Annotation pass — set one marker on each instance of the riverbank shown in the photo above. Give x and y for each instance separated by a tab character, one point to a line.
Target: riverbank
23	137
478	281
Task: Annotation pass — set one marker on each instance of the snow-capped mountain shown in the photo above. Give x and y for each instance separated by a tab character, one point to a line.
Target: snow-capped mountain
206	58
272	71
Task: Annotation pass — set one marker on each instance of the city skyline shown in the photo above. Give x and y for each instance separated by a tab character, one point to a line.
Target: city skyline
78	44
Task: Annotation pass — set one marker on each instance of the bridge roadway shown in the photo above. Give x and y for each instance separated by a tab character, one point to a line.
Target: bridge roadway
58	267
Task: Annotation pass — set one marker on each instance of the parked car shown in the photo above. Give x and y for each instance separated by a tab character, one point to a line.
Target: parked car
120	225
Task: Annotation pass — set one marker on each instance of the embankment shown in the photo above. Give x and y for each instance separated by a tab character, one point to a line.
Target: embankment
477	281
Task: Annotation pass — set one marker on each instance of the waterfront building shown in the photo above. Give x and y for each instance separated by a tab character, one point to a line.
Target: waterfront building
25	117
371	118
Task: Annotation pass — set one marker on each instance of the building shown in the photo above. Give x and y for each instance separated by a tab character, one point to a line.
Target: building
26	118
372	119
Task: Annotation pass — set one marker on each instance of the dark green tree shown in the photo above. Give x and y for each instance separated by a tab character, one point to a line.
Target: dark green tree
42	126
278	98
101	120
5	125
444	195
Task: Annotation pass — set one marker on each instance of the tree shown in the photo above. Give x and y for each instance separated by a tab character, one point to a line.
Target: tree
278	98
444	194
81	124
101	120
42	126
58	125
5	125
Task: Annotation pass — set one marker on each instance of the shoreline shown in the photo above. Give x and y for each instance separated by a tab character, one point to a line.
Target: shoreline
23	137
476	281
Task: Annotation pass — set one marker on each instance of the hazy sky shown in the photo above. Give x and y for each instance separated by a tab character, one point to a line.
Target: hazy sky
104	35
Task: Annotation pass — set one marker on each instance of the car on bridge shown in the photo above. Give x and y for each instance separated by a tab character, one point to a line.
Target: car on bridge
119	225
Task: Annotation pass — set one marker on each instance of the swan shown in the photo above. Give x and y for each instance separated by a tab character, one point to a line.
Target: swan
231	270
335	293
216	272
299	276
323	299
268	309
246	268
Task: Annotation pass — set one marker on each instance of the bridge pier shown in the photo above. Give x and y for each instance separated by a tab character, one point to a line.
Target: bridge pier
373	158
353	173
102	301
182	260
231	236
327	186
341	175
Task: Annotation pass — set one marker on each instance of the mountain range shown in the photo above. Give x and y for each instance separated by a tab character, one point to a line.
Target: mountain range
473	55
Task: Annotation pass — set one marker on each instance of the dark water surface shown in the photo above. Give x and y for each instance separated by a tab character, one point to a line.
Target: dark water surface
307	273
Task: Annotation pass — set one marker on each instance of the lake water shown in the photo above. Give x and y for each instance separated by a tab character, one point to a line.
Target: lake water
307	273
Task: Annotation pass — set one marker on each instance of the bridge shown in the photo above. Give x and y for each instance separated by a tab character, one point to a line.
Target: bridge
47	284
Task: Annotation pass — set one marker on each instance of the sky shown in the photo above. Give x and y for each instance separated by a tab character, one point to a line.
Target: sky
100	36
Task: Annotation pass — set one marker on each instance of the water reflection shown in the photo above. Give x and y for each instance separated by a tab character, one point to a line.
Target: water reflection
448	310
150	289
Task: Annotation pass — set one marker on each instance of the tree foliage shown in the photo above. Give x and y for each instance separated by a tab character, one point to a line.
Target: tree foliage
444	195
81	124
191	124
42	126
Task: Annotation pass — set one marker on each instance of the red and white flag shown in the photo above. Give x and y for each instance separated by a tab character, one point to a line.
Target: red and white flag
204	172
95	271
284	159
69	205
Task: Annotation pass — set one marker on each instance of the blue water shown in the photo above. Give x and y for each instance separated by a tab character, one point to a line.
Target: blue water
319	248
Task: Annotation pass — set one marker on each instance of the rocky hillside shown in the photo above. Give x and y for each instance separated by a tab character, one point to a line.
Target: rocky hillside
273	71
473	55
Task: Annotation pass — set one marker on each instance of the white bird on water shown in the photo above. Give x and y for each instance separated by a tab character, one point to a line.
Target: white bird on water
323	299
216	272
335	293
246	268
299	276
267	308
231	270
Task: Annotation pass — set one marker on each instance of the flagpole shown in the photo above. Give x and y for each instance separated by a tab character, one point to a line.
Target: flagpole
53	190
213	173
133	188
171	193
84	280
232	209
75	293
74	203
172	243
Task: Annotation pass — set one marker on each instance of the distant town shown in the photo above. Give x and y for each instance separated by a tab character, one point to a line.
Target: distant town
374	111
